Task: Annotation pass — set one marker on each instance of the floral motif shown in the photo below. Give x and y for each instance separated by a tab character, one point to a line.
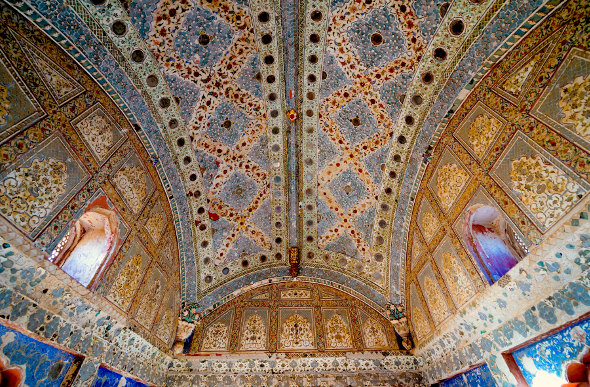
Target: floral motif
98	133
155	225
254	335
131	183
544	189
28	194
165	326
126	282
295	293
374	334
517	80
449	182
337	333
420	323
481	133
575	104
216	337
59	84
429	225
4	104
435	299
296	333
459	285
148	304
417	249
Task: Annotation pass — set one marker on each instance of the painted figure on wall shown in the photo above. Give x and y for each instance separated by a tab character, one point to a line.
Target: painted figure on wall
492	242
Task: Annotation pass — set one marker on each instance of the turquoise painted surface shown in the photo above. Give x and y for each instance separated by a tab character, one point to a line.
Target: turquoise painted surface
552	354
108	378
477	377
42	364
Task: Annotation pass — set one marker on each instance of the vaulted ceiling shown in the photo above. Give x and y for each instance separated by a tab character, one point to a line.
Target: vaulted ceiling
210	85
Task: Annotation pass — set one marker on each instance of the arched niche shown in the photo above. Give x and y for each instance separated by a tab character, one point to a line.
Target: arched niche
492	242
84	251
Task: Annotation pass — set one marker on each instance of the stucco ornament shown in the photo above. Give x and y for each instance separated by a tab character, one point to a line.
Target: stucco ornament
126	282
544	189
374	334
183	332
28	194
575	104
435	300
450	180
459	285
421	327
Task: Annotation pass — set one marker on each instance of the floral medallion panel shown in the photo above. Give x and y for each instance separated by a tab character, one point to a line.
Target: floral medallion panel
541	185
126	273
255	329
133	183
453	271
565	102
433	294
18	106
216	335
428	220
100	133
33	190
60	84
296	329
449	180
479	130
417	249
373	332
325	319
337	329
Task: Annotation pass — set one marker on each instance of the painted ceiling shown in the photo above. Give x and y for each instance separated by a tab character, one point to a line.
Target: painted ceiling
209	84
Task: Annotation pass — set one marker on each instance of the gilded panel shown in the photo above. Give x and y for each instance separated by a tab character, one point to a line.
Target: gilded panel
428	220
296	329
433	294
255	329
448	180
418	315
33	190
479	130
373	332
565	102
133	183
544	188
127	271
216	334
337	331
456	277
148	298
18	106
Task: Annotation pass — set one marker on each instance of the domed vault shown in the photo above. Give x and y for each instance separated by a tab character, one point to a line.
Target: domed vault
402	183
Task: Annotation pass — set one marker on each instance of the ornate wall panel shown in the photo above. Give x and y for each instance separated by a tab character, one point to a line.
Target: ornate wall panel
294	318
66	147
524	156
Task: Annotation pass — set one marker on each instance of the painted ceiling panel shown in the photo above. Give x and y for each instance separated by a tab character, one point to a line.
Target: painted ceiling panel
366	112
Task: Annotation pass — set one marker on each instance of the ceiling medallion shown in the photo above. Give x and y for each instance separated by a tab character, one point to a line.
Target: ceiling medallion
292	115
